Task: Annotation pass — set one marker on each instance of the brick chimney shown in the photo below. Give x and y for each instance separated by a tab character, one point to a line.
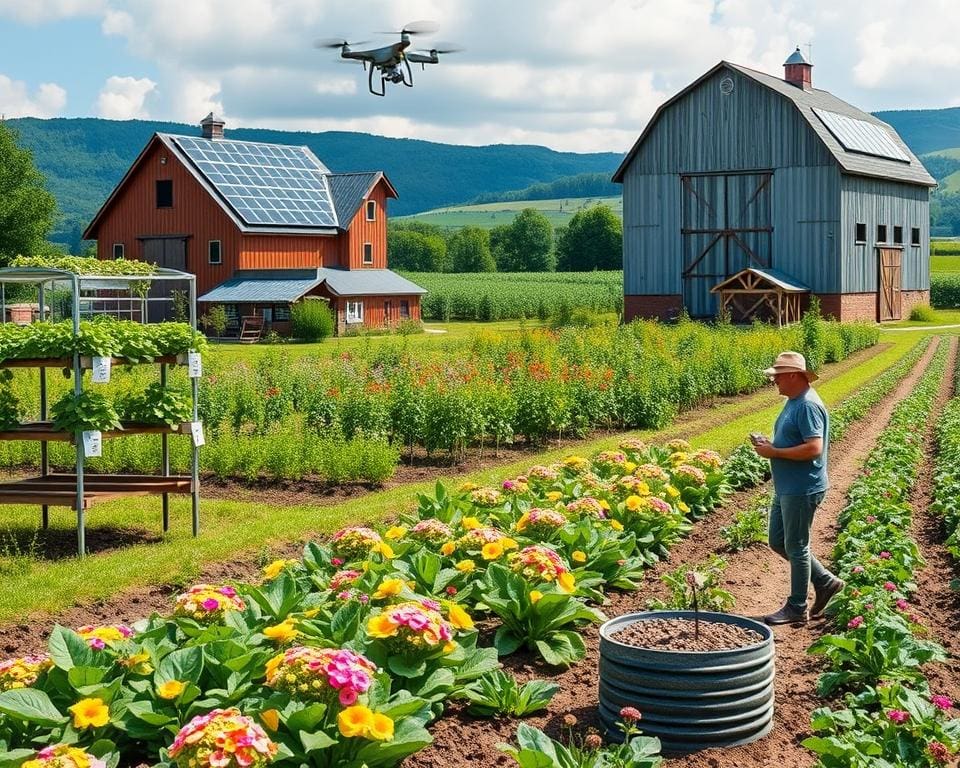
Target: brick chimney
211	127
798	71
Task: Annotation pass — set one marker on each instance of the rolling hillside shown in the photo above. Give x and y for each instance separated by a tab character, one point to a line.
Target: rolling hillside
490	215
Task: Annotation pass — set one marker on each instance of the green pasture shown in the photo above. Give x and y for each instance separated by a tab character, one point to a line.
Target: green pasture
490	215
243	528
944	264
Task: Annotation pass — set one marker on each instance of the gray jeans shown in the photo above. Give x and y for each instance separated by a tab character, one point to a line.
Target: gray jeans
790	520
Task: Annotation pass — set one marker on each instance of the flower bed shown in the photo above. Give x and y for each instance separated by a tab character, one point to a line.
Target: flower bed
888	714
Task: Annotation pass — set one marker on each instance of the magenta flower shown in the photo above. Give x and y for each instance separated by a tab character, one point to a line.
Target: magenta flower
890	586
336	561
902	604
630	714
942	702
868	607
97	644
884	555
858	569
898	716
210	604
938	751
855	622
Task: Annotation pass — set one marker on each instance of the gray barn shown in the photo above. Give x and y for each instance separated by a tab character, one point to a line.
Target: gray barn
745	170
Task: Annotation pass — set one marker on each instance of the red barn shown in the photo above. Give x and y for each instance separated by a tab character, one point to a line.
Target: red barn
261	226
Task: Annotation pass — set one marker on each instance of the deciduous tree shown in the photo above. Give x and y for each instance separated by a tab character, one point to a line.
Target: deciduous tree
524	245
592	240
469	251
27	210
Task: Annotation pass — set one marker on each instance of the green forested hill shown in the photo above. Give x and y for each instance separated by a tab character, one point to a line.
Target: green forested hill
84	158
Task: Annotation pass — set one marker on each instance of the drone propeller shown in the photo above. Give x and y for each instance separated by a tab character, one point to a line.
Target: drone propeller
415	28
336	42
444	48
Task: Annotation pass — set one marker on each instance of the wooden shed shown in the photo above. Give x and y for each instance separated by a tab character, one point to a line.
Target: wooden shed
742	170
761	293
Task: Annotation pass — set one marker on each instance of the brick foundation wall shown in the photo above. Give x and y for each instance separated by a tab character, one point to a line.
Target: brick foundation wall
864	306
910	299
662	307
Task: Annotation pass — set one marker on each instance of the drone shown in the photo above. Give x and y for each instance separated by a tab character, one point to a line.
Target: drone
392	62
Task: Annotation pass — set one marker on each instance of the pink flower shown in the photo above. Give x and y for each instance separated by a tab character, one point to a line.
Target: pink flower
938	751
942	702
97	644
630	714
855	622
871	518
210	604
868	606
898	716
336	561
902	604
858	569
890	586
451	590
884	555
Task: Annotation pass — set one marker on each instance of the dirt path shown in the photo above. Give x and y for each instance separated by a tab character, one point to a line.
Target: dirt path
758	580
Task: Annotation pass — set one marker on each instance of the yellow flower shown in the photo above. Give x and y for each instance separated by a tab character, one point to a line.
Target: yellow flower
578	556
273	664
672	492
381	728
616	525
521	524
629	467
355	721
311	613
633	503
683	507
535	595
448	548
468	486
170	689
274	569
396	532
554	496
469	523
492	550
282	632
389	588
381	626
270	718
507	543
567	583
384	549
605	504
90	712
449	646
466	566
460	618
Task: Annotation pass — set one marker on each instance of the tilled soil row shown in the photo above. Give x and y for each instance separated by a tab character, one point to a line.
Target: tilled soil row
759	581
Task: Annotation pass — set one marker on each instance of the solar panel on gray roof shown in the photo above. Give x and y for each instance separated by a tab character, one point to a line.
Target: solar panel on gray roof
265	184
861	136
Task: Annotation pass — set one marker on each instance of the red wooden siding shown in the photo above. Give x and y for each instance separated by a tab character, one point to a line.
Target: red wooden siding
361	231
288	251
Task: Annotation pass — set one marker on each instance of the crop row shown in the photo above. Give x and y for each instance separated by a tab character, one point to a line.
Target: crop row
946	495
945	291
888	715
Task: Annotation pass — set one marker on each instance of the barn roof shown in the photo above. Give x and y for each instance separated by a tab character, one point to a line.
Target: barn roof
773	276
806	101
265	188
286	285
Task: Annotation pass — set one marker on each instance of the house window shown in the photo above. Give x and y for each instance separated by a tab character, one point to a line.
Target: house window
213	252
165	194
118	250
881	233
368	253
404	309
354	311
281	312
898	235
861	233
915	236
371	210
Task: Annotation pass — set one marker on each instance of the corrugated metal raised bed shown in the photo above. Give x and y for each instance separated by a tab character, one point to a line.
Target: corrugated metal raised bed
691	700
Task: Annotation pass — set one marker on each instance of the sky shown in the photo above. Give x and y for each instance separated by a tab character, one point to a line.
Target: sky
568	74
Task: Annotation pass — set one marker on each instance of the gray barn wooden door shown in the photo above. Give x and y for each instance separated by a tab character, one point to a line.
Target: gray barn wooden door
726	226
169	252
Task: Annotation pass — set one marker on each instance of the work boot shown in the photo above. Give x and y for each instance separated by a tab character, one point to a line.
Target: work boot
787	615
824	595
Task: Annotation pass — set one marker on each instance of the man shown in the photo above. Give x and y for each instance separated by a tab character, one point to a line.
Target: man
798	462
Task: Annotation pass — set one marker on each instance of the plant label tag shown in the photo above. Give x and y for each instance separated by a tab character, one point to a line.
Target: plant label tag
194	366
101	370
196	429
92	443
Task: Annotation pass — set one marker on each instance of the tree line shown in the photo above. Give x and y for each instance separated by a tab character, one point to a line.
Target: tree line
593	239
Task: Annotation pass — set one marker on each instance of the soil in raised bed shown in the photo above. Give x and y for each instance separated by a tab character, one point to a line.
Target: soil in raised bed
683	635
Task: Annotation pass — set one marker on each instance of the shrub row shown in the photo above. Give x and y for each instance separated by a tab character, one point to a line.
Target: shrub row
945	291
946	492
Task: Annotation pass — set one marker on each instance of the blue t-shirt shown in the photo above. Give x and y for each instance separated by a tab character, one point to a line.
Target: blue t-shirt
802	418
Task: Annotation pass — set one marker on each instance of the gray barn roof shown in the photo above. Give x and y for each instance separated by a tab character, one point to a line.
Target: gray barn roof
267	286
853	163
349	191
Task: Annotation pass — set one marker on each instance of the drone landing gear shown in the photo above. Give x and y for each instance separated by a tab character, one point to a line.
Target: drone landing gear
399	73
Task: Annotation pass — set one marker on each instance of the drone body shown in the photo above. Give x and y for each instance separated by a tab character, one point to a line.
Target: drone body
390	62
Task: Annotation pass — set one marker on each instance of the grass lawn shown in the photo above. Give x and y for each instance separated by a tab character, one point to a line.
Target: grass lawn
944	317
944	265
490	215
232	530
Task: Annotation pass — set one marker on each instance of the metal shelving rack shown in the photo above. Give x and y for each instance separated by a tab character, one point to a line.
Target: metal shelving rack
81	490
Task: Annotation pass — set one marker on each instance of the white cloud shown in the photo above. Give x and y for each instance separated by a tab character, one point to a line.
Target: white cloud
124	98
193	98
15	100
38	11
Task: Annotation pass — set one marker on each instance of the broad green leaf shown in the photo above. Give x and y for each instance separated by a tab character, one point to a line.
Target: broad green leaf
185	664
30	705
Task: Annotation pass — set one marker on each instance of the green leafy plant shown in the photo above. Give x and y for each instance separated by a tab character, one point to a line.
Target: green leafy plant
744	468
91	411
311	320
215	319
158	405
497	693
749	525
710	596
9	405
537	750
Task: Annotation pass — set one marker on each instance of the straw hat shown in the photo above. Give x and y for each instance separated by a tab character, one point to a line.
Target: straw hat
790	362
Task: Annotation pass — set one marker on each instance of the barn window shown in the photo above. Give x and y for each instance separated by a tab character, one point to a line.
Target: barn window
371	210
368	253
118	250
881	233
354	311
213	252
898	235
404	308
915	236
861	233
165	193
281	312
